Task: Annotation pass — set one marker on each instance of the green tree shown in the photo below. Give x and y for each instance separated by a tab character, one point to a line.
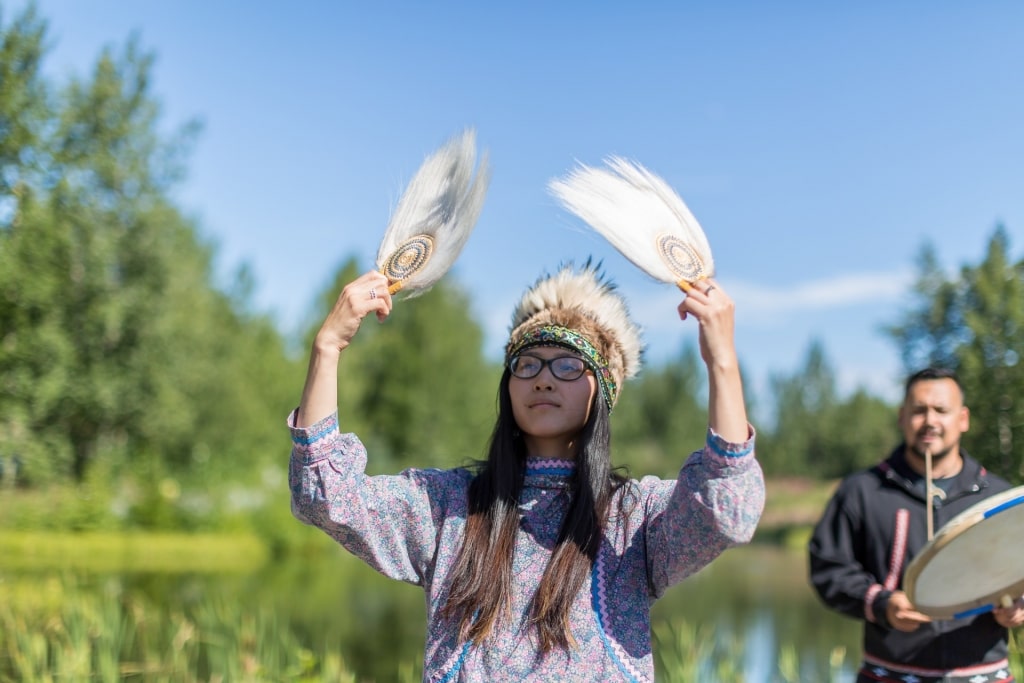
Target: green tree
932	330
132	272
974	324
858	431
662	416
24	105
819	433
31	341
798	444
114	342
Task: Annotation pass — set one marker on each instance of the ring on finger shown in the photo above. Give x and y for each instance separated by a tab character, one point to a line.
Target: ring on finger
373	293
709	290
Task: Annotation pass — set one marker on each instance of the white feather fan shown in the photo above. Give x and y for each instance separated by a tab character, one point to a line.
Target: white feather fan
434	217
642	217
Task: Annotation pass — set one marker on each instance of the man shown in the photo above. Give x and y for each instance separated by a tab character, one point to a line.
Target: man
877	522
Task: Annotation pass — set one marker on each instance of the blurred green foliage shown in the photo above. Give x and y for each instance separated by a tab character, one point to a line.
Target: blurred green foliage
115	345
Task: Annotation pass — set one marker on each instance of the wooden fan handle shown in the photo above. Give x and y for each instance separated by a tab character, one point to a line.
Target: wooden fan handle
688	286
396	286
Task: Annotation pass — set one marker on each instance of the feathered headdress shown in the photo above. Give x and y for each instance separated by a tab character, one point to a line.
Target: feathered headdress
434	217
642	217
582	311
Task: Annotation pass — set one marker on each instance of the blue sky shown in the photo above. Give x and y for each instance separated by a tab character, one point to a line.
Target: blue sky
819	144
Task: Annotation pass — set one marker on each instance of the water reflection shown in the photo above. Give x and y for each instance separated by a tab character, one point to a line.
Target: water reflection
760	594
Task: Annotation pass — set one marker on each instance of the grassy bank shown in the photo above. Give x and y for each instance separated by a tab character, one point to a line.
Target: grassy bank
792	507
112	552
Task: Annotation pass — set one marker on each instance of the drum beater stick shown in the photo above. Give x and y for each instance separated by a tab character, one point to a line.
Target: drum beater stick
928	492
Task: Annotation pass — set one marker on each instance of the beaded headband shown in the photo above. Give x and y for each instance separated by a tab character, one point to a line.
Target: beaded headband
556	335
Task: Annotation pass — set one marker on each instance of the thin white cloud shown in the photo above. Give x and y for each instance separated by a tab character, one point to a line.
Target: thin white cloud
841	291
758	301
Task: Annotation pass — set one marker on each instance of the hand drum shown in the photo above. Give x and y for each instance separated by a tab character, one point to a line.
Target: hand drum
974	563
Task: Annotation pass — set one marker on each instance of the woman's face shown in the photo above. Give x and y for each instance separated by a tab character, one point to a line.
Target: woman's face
549	411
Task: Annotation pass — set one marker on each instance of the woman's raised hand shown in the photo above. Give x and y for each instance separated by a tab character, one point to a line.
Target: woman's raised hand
714	311
366	294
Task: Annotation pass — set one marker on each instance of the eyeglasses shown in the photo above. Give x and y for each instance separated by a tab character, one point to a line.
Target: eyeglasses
565	368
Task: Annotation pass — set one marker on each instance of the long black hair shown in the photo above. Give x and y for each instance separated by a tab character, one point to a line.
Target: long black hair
481	587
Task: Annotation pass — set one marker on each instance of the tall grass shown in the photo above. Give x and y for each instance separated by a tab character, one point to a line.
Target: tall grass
105	636
90	622
59	633
687	652
55	630
52	630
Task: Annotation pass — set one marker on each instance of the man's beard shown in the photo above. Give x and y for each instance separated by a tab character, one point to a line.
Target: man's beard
935	455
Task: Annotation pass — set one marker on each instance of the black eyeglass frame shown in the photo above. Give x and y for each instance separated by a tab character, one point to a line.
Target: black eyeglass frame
548	363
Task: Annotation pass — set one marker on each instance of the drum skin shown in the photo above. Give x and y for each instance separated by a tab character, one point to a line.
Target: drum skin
974	563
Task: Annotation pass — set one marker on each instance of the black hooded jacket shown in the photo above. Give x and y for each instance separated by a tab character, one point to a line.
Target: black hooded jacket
854	568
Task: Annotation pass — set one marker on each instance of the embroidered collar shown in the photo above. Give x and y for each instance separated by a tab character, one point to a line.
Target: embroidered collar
548	473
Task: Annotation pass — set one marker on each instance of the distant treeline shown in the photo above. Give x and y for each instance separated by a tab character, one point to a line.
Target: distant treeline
121	359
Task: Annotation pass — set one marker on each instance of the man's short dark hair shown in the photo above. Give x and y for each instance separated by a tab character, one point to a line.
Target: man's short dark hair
932	373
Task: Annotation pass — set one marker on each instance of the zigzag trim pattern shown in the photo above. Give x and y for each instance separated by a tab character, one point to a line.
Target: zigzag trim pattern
599	603
550	466
452	666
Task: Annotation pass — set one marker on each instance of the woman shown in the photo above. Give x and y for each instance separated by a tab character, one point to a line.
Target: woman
539	564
